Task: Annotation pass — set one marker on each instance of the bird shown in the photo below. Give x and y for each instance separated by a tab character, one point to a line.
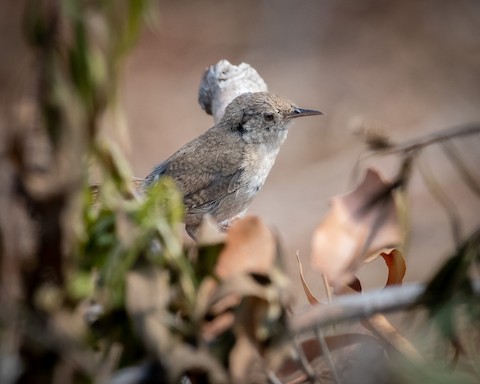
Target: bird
220	172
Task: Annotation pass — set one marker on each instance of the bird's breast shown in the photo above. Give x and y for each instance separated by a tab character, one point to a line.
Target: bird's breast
256	164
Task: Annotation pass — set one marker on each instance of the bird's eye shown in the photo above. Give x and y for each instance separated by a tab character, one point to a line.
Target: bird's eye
268	116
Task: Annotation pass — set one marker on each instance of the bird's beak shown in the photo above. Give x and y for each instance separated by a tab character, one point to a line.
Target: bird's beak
299	112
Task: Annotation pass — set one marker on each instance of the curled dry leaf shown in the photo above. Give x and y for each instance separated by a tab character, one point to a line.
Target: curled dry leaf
396	266
250	247
310	297
359	224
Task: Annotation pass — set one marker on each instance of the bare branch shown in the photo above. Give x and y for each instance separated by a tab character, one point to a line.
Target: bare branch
355	306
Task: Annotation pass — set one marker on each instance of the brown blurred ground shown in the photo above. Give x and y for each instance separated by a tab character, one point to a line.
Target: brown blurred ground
410	66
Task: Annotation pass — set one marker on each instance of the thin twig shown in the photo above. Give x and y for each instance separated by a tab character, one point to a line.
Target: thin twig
328	289
461	167
432	138
418	143
302	359
443	199
328	356
272	378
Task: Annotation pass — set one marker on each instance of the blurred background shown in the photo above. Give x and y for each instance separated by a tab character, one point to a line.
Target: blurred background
405	67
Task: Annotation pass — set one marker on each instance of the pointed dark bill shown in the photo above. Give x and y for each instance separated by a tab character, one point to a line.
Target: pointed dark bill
299	112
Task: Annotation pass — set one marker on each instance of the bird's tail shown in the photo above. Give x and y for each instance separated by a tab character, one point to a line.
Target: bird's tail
96	188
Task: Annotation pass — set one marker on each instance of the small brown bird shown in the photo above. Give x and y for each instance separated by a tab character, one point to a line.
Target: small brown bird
221	171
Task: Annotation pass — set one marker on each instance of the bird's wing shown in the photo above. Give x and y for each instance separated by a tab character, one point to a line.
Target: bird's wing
204	173
206	180
207	198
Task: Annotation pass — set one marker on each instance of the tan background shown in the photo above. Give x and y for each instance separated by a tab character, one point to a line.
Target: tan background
410	67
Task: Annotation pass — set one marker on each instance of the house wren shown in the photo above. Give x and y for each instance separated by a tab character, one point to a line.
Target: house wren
221	171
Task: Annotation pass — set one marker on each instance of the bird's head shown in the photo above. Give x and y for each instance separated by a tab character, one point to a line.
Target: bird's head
262	117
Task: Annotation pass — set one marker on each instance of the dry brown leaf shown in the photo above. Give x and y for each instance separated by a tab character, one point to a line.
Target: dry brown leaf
358	224
250	247
310	297
396	266
250	294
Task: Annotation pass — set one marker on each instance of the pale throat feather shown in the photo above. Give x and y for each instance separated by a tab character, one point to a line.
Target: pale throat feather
258	163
